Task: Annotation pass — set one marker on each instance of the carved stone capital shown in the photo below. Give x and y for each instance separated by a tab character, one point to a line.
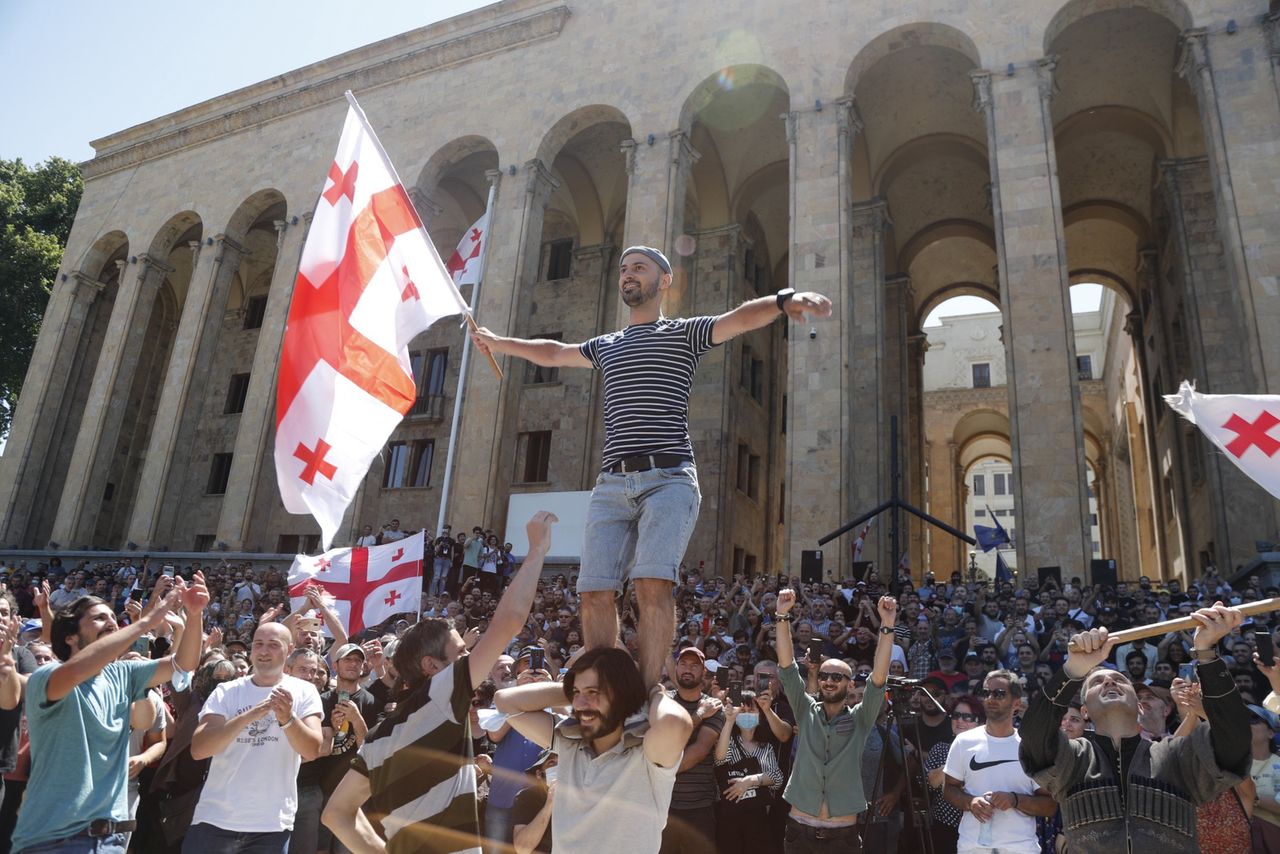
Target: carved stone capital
541	183
281	227
149	264
848	118
683	154
1193	59
1045	67
86	287
981	80
871	215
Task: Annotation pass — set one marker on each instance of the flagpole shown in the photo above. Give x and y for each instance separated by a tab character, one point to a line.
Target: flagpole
462	366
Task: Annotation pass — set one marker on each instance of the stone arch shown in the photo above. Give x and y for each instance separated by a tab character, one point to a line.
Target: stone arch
571	124
253	212
924	147
168	236
947	229
97	260
449	156
956	289
728	79
917	34
1175	11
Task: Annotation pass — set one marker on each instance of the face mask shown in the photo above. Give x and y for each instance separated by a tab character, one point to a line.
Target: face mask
1236	600
748	720
550	774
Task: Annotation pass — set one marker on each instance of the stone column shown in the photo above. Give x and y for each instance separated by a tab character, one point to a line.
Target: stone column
658	169
252	447
596	260
916	448
1046	426
25	462
819	144
519	208
108	396
182	397
1240	115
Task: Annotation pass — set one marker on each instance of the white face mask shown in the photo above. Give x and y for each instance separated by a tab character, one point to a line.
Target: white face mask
550	774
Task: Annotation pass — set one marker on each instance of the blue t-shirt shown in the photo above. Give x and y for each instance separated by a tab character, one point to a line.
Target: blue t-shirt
79	752
514	754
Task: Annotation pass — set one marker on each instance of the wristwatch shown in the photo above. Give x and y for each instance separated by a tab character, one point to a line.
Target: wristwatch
782	618
886	630
784	295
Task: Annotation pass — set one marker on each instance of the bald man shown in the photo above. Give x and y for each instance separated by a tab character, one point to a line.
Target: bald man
258	729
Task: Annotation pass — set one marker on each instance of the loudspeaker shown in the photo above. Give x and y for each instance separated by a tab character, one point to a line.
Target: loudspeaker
1102	572
860	570
811	566
1047	572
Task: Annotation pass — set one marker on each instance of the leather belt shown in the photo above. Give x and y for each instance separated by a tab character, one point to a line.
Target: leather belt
629	465
841	832
101	828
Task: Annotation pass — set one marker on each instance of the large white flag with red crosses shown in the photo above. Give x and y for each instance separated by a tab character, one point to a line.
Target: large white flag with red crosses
366	586
1242	425
465	262
368	282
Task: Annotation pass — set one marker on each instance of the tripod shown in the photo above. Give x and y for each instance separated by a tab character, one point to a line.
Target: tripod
900	716
896	504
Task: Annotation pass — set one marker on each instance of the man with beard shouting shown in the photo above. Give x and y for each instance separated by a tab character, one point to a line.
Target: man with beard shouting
825	788
646	499
612	784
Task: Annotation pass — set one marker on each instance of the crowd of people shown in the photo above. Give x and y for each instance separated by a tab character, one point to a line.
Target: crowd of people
764	673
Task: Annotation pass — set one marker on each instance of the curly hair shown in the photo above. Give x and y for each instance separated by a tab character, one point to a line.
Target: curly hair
66	623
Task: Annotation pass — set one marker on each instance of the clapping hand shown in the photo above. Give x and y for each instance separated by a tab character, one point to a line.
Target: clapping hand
281	704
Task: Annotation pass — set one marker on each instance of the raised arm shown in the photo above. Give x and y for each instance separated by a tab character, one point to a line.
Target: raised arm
669	729
887	610
540	351
756	313
525	707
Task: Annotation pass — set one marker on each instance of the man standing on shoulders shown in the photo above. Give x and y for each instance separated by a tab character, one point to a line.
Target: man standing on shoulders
825	789
442	548
691	821
1173	775
415	773
985	781
646	499
258	729
77	720
613	784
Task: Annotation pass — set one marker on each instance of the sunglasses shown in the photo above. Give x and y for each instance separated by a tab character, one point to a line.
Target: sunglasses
995	694
968	717
831	677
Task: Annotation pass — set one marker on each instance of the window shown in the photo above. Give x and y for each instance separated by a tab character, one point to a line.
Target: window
757	380
1097	549
999	487
533	456
397	464
744	467
310	543
1012	538
287	544
204	543
782	503
1093	520
753	476
429	372
979	484
559	259
424	452
981	514
437	367
1000	513
749	566
784	415
982	375
236	393
255	310
739	558
536	374
219	471
744	372
1084	367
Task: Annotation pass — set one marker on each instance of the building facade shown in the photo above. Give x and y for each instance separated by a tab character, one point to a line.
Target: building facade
887	155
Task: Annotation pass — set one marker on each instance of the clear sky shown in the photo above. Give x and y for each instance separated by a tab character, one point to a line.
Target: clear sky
77	70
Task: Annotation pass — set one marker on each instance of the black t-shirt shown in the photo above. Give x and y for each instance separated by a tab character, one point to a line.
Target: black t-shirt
528	804
444	547
9	720
930	735
333	768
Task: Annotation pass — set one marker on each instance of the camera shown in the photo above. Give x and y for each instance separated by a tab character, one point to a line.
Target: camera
813	333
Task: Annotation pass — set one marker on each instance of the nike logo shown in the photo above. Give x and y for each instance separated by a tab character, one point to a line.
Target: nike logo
975	765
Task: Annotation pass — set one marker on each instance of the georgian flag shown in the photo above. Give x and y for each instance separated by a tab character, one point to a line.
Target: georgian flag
466	262
368	282
1242	425
366	586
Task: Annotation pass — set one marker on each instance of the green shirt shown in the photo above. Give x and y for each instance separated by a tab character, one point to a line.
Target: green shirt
828	765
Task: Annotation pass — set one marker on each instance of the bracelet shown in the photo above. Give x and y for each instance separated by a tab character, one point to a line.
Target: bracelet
782	618
1015	801
886	630
292	720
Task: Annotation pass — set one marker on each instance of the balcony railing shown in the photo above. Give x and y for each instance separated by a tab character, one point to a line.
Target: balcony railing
429	406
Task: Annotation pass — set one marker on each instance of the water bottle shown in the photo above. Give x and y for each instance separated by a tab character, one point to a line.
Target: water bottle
985	832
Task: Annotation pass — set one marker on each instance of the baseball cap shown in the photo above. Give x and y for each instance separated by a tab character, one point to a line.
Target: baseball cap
691	650
1265	715
348	648
946	653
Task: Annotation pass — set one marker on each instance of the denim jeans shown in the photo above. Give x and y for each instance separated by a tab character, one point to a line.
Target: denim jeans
440	576
799	839
309	835
638	525
497	829
81	843
207	839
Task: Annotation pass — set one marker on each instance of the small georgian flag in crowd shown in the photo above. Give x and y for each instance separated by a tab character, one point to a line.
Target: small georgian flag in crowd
368	282
861	541
1242	425
366	586
464	265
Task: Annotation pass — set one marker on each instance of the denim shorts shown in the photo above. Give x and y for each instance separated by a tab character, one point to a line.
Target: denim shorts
638	525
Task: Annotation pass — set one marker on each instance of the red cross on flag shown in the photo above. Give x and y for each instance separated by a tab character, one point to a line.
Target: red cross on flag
367	586
465	263
369	281
1243	426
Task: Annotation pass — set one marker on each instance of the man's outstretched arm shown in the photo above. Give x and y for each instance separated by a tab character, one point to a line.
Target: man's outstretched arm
756	313
540	351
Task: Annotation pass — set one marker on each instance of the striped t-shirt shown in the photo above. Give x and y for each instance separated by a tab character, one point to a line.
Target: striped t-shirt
422	786
648	373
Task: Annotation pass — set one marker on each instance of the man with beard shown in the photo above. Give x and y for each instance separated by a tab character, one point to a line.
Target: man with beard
646	499
614	784
691	820
825	789
415	773
1112	783
985	782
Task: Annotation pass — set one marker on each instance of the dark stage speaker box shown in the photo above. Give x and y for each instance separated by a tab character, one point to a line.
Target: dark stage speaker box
1103	571
811	566
1047	572
860	569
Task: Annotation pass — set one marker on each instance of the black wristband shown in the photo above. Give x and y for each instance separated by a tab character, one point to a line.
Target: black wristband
784	295
782	618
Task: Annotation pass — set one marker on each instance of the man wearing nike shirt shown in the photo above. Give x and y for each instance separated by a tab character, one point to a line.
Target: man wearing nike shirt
985	780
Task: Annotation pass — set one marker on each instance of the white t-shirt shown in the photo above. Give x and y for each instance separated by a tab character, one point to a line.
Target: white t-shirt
987	764
253	785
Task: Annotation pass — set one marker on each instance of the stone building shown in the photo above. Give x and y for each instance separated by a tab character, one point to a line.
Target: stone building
887	154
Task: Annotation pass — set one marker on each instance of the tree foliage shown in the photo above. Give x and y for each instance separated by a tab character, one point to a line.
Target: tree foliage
37	207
